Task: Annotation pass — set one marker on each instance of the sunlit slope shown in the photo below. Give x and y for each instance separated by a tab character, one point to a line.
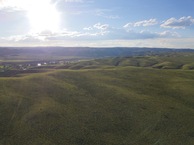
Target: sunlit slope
117	106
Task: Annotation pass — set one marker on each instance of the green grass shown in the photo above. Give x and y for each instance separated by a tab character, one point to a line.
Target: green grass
104	106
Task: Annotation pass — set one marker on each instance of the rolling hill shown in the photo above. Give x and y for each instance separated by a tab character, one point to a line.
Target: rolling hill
173	60
106	106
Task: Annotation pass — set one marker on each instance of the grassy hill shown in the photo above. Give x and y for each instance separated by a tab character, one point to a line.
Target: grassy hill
102	106
175	60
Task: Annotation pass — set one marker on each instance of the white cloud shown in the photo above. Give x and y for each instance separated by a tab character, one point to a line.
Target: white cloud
128	25
25	40
170	34
88	28
144	23
101	26
181	23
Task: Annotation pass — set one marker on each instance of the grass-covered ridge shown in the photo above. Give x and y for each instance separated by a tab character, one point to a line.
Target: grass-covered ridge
104	106
183	61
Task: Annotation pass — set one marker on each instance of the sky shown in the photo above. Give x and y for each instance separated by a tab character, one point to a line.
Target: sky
97	23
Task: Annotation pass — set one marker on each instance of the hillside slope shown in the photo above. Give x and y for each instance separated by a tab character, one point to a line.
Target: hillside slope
115	106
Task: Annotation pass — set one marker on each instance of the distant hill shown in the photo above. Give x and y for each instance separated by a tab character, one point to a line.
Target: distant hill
37	53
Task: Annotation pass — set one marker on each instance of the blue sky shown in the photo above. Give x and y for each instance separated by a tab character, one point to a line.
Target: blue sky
97	23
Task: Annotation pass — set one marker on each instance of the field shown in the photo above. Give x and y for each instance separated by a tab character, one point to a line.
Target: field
100	102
